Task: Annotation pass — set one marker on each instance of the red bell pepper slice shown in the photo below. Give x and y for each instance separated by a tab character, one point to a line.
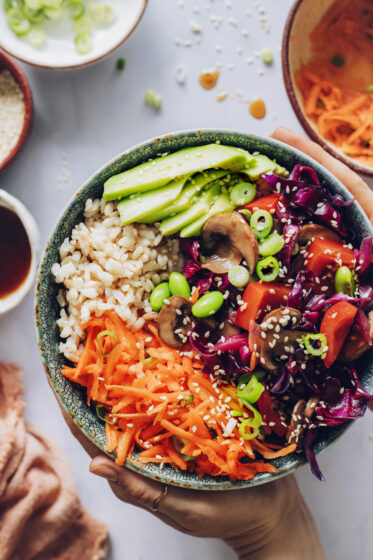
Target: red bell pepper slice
324	252
257	297
336	325
270	415
268	202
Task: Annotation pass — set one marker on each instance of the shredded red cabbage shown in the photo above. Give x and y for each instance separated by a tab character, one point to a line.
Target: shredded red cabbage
365	255
283	382
363	324
309	440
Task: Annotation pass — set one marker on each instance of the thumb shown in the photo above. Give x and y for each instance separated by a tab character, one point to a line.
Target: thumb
129	486
370	404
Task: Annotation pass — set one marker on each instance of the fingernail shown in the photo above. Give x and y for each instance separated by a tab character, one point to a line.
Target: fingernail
104	470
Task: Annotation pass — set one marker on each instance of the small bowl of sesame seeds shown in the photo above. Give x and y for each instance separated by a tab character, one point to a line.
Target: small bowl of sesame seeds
16	109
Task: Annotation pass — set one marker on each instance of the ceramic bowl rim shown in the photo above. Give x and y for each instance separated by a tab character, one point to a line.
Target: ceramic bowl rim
290	90
185	134
23	83
15	298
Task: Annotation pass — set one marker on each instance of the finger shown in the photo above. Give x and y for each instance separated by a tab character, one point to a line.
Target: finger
355	184
134	489
370	404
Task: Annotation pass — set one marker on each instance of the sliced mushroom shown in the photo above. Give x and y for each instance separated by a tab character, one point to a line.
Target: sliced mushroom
296	428
301	415
234	241
310	232
356	345
276	338
175	321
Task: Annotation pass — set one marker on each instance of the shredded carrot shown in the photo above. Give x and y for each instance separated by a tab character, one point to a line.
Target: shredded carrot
149	403
336	97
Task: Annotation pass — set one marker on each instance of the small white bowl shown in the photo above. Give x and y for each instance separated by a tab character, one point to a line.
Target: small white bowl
59	51
12	300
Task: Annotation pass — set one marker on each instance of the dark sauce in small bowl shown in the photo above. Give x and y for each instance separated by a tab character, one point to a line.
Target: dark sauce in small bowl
15	252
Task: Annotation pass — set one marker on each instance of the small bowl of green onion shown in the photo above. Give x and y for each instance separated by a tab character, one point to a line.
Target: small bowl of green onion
62	34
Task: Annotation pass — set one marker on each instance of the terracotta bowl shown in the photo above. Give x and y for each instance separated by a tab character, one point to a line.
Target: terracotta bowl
296	49
7	63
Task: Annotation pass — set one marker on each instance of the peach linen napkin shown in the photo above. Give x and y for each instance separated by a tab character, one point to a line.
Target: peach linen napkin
41	517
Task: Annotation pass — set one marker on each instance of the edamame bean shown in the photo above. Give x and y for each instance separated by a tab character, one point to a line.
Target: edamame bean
344	281
158	295
271	245
179	285
242	193
239	276
261	223
208	304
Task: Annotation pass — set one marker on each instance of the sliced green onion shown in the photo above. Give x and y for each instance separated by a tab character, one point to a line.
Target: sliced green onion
338	60
36	37
236	413
101	14
106	333
271	245
17	22
251	391
187	401
33	15
260	374
239	276
261	222
83	43
82	25
9	4
76	8
53	13
242	193
268	269
100	411
369	88
34	4
54	4
246	213
153	99
178	443
295	250
121	63
149	362
267	56
315	344
253	423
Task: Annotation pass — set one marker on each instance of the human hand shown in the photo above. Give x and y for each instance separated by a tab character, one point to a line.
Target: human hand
263	522
351	180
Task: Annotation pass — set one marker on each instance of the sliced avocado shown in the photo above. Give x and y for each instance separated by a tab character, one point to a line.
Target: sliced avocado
159	172
222	204
143	205
199	208
262	164
191	189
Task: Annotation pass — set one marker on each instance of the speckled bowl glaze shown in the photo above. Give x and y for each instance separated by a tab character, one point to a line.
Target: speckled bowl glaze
72	397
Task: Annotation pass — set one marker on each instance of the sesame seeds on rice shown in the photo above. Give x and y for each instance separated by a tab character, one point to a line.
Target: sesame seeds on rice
104	266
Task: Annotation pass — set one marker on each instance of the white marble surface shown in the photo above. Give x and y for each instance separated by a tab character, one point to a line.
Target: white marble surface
82	119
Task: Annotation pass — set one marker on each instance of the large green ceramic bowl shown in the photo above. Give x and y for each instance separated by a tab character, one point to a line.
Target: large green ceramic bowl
71	397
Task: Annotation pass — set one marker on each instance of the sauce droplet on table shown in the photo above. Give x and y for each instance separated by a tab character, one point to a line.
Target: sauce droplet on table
257	109
208	80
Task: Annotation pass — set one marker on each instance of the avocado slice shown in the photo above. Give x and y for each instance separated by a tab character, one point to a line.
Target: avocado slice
143	205
222	204
199	208
194	185
262	164
159	172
